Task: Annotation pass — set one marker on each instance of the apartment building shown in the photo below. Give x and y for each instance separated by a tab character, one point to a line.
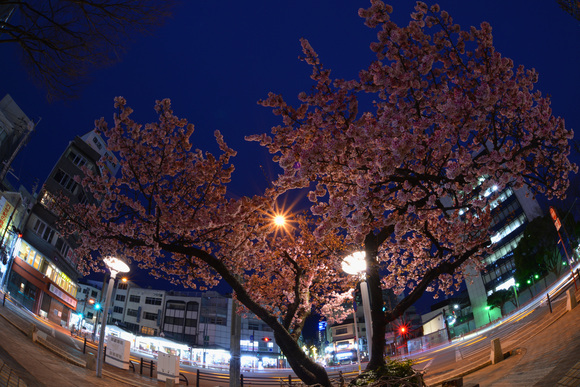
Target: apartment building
43	274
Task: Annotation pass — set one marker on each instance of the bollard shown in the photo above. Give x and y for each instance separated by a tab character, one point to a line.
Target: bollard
85	346
4	300
151	370
91	361
496	353
549	302
241	380
570	300
141	367
289	380
197	379
34	333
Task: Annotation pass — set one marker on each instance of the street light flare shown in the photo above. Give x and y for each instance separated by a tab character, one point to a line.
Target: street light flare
279	220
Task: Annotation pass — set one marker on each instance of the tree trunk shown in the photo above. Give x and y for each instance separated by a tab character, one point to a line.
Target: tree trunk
377	314
307	370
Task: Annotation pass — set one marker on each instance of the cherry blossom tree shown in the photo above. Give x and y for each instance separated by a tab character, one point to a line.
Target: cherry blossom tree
413	177
169	211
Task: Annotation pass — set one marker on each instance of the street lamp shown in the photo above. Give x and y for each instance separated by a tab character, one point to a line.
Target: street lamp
355	264
516	286
115	265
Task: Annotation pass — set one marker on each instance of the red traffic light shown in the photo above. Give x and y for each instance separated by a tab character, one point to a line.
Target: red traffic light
403	329
266	339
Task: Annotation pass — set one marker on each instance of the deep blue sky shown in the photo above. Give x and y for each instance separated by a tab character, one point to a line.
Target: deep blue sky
216	59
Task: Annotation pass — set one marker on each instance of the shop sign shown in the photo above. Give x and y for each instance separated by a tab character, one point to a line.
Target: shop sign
63	296
6	209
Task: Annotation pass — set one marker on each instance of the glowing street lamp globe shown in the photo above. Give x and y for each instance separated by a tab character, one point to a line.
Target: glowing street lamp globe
354	263
116	265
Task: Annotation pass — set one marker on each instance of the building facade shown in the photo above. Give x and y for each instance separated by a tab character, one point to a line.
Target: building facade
511	211
43	274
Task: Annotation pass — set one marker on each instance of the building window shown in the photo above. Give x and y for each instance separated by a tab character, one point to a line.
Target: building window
62	247
82	197
253	326
47	200
153	300
97	143
120	297
149	316
136	299
122	285
132	312
77	159
341	331
118	309
43	230
65	180
3	135
148	331
93	293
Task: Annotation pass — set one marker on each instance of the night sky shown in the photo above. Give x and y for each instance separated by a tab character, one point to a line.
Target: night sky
216	59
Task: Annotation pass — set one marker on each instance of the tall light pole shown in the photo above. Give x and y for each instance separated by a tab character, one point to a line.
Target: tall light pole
115	265
355	264
515	286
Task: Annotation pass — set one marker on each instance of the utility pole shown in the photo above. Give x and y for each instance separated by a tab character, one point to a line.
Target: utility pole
235	350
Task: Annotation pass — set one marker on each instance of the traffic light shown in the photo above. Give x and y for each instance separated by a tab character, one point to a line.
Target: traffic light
266	339
403	329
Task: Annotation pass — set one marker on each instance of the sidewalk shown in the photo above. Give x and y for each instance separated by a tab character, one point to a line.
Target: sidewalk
33	364
550	357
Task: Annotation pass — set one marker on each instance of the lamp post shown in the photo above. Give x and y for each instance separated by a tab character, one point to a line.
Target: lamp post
115	265
355	264
515	286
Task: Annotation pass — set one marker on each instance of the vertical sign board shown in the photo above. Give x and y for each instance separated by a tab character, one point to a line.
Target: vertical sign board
167	367
555	218
118	351
5	212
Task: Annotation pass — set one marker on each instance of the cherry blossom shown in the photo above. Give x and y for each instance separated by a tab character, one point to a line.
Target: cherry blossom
169	212
406	177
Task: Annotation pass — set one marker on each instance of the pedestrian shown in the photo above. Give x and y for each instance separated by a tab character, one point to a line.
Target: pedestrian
72	330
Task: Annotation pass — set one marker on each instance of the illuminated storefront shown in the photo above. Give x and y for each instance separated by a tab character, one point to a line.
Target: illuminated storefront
40	286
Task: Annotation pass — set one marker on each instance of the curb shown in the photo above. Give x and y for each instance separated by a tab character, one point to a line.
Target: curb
60	353
513	352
